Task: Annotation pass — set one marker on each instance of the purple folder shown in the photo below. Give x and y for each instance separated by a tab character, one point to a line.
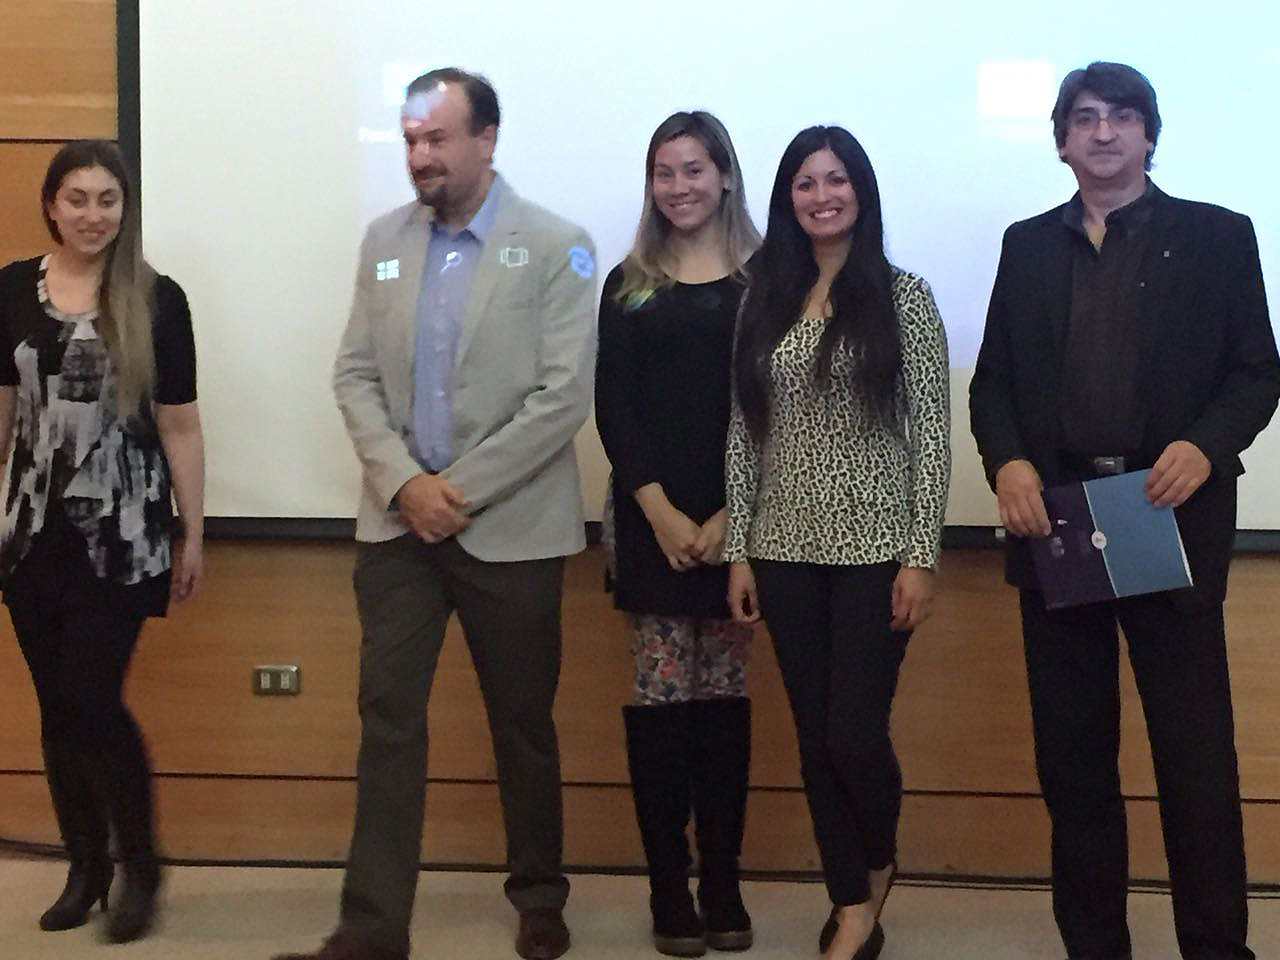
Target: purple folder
1107	542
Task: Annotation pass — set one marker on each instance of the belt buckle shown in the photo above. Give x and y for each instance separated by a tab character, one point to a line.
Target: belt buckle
1108	466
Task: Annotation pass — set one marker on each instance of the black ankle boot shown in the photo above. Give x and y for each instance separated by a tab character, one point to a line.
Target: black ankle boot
88	880
721	760
658	759
134	910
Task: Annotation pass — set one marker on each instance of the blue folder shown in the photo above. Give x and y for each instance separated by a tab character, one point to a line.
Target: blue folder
1107	542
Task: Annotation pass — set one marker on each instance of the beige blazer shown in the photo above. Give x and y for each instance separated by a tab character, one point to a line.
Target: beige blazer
522	378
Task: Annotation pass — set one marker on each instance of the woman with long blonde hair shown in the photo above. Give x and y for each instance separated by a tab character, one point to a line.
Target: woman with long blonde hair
662	407
97	407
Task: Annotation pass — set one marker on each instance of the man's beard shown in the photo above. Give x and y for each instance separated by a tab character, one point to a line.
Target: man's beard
436	197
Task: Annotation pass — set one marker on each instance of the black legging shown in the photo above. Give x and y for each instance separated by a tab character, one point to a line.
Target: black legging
78	657
839	660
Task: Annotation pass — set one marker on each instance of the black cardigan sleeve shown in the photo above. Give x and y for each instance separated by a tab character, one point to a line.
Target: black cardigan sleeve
618	391
10	294
174	343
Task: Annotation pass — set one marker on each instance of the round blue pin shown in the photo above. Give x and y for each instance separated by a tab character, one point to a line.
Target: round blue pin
581	262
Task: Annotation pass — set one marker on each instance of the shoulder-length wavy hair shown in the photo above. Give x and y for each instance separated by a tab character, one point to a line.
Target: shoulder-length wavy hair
784	271
646	268
125	297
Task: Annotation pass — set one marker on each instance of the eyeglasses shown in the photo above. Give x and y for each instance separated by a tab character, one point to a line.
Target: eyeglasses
1121	118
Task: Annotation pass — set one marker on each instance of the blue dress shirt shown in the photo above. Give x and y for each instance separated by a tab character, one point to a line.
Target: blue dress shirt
442	303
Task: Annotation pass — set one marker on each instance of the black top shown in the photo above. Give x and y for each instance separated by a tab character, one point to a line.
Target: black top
662	408
86	520
22	315
1102	409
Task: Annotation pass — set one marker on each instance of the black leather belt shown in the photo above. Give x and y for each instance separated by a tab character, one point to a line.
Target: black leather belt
1104	466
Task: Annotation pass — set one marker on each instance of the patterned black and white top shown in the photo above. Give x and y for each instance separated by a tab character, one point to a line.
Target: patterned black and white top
831	485
70	450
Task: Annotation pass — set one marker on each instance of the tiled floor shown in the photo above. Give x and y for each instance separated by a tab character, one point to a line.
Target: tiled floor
231	912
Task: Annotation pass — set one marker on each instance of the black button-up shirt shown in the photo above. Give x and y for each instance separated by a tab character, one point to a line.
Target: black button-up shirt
1102	408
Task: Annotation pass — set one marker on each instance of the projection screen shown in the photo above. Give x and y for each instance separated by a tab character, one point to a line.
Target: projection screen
269	139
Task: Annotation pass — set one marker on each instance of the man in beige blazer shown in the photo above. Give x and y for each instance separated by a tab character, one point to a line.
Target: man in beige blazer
463	376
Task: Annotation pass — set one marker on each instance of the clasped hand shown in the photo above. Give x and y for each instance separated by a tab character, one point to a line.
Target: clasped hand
684	543
432	507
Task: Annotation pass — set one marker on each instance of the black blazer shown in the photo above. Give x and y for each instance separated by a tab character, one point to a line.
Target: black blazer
1209	368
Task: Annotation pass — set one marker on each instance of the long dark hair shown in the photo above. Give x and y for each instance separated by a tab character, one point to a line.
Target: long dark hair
124	299
784	271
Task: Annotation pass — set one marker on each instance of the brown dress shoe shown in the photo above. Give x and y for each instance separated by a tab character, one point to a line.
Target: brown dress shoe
543	934
339	947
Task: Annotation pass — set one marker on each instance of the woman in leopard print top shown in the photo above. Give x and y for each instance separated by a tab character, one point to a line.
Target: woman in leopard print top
837	467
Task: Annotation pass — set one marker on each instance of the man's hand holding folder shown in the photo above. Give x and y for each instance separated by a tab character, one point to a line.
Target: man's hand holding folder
1018	495
1179	473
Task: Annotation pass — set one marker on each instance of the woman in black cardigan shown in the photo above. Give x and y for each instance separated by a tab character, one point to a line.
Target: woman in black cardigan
662	407
97	405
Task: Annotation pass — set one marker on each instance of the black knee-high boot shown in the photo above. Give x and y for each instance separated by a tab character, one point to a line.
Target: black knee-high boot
658	756
721	766
84	834
124	778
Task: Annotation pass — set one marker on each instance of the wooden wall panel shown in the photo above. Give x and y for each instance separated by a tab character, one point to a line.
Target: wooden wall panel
961	724
293	820
22	167
57	69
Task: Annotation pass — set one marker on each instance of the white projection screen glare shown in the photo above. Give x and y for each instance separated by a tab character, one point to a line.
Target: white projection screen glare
269	139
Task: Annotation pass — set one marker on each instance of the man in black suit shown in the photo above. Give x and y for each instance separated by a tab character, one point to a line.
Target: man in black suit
1129	330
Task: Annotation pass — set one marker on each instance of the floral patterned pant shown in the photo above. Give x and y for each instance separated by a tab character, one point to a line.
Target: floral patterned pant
679	658
683	658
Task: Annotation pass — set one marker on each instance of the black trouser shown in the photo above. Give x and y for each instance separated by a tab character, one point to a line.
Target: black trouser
839	660
78	657
510	612
1180	664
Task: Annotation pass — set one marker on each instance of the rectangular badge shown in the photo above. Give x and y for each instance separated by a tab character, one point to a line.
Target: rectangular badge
513	256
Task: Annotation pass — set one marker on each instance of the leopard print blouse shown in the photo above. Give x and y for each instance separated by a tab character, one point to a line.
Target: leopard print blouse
831	485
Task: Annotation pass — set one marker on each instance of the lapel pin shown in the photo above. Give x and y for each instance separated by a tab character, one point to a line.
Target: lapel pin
388	270
1166	254
581	262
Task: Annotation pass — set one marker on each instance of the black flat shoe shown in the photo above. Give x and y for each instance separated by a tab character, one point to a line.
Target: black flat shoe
893	875
828	932
868	951
871	949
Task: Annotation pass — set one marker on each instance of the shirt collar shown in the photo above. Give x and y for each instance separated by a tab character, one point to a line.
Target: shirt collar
1135	211
482	221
